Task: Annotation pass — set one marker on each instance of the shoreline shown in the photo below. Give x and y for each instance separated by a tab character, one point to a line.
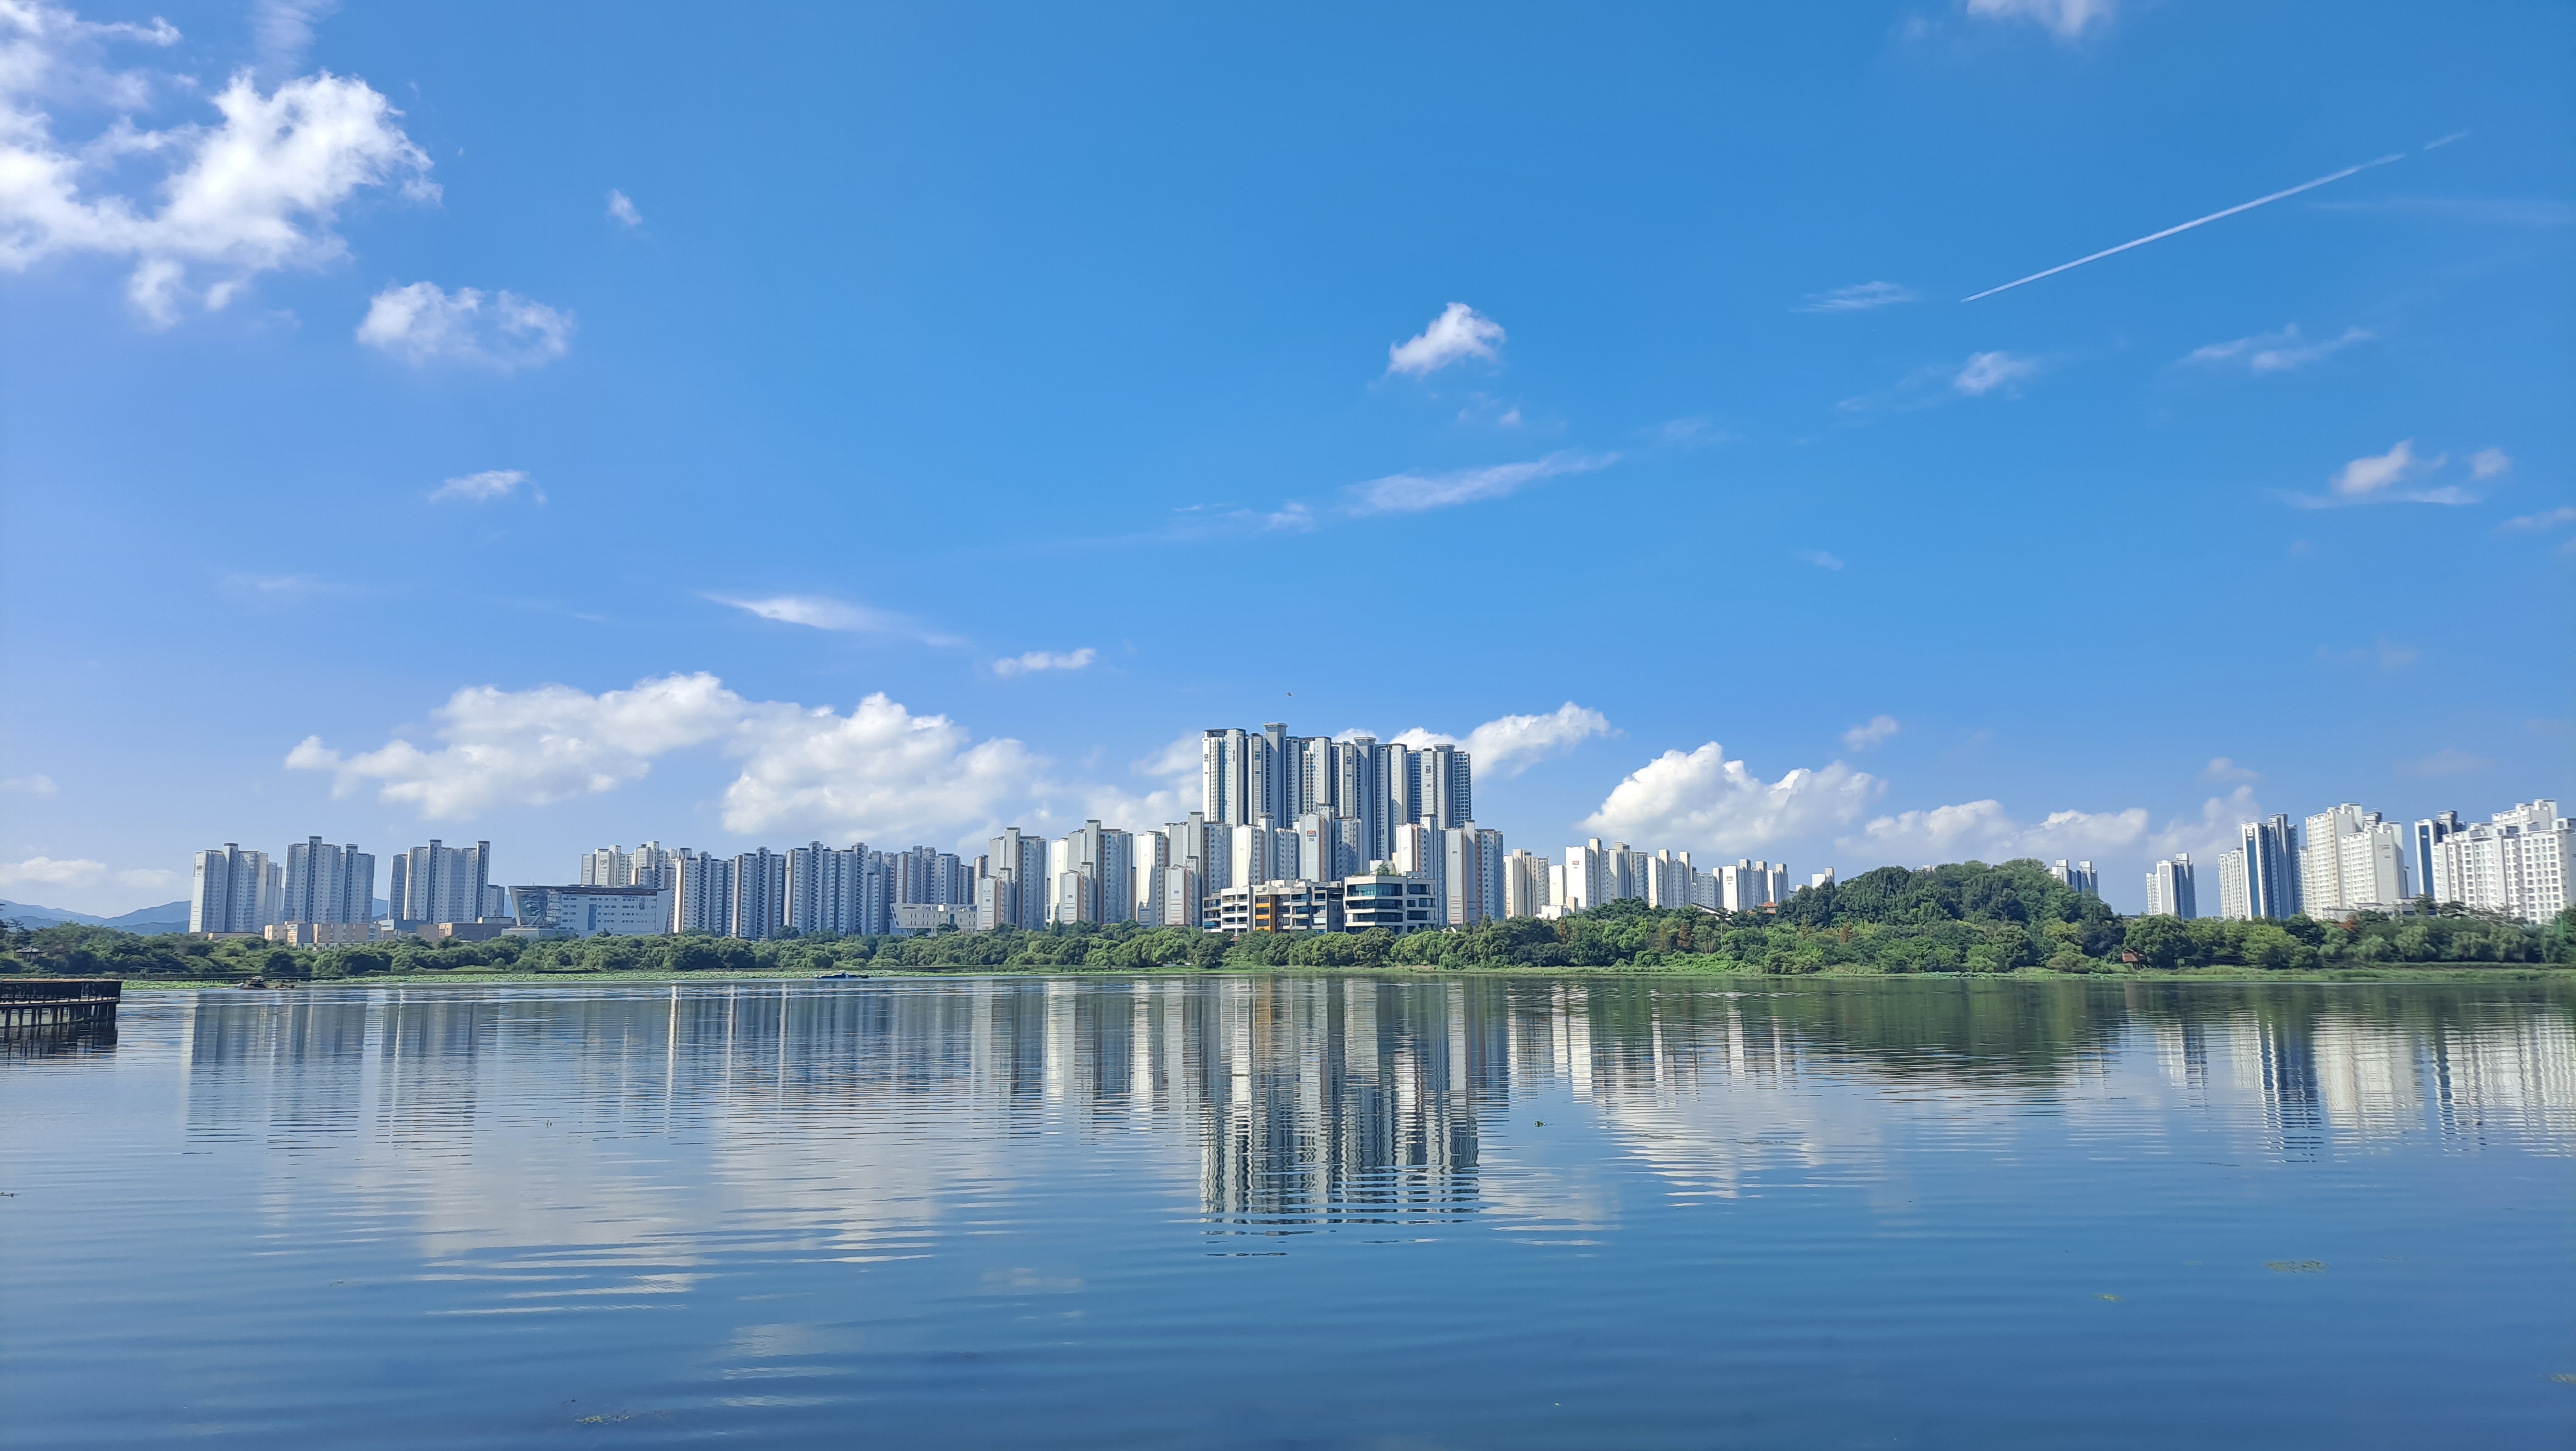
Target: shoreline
2412	974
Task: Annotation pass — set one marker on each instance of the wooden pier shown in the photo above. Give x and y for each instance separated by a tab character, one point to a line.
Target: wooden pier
31	1002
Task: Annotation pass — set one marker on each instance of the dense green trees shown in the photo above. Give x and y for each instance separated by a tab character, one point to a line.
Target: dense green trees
1966	917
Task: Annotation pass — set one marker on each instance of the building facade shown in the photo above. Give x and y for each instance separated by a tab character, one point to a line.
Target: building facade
326	883
2514	865
439	883
232	890
2170	889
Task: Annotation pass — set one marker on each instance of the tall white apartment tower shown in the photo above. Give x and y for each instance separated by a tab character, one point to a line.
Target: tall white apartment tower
2429	833
326	883
1525	884
2515	864
233	890
759	894
440	883
1151	855
2079	875
703	901
2349	859
2260	878
2170	890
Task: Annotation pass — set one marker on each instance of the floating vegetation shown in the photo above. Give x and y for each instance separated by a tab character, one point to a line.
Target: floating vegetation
2106	1297
2294	1267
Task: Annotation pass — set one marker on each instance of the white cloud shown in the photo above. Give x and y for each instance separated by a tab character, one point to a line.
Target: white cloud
1820	559
2376	479
1413	493
1985	373
2489	463
1706	802
147	877
257	190
2222	769
823	613
1860	298
486	486
2545	519
2278	352
2215	830
1512	744
1873	733
1982	831
2065	19
879	771
1045	660
284	31
621	209
1457	334
2448	761
44	871
423	323
278	589
534	747
39	785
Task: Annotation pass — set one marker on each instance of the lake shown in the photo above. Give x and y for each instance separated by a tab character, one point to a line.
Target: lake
1226	1211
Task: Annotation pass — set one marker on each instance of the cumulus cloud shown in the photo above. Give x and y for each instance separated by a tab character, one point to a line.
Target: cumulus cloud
2068	20
2213	831
1860	298
1871	733
484	487
879	771
2399	476
1984	831
2277	352
45	871
622	210
2490	463
1986	373
38	785
1457	334
1414	493
424	323
1045	660
1512	744
1704	801
821	612
2222	769
257	190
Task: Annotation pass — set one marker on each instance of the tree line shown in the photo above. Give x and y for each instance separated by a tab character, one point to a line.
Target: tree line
1964	917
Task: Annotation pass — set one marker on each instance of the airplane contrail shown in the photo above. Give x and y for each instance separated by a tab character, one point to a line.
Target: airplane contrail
2195	222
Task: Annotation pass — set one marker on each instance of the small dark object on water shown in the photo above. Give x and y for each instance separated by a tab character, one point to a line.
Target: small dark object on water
2294	1267
1542	1123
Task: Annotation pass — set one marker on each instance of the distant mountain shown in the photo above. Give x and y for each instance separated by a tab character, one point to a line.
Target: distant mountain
168	917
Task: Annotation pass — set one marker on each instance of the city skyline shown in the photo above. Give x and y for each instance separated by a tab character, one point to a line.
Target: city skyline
516	476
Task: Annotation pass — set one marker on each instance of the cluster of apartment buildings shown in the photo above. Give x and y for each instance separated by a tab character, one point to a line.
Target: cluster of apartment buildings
2347	860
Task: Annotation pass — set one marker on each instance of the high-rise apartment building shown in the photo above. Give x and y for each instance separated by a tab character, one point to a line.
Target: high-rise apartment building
702	897
232	890
2260	877
2349	859
1664	879
843	890
2078	875
2515	864
1015	889
440	883
1750	886
2170	890
2429	833
1525	884
1471	886
759	894
1150	853
326	883
1095	875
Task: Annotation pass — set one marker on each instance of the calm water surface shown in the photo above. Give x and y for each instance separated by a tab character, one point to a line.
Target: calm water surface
1229	1211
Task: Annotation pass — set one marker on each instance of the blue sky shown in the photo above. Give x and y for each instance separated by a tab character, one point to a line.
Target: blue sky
569	425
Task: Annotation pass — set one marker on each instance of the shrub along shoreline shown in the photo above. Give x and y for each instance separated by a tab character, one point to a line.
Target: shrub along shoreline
2012	919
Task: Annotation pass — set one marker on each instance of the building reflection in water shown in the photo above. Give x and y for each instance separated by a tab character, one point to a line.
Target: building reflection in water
1313	1100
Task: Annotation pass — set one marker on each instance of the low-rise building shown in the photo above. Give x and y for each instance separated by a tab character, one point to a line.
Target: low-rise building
321	934
1297	905
578	911
1391	900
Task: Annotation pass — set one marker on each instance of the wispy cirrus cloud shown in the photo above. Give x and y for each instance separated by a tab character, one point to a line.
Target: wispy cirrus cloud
2448	761
822	612
1870	733
1413	493
2068	20
2221	768
1862	297
1457	334
1036	660
2399	476
2545	519
486	486
1993	372
1820	559
2273	352
621	209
